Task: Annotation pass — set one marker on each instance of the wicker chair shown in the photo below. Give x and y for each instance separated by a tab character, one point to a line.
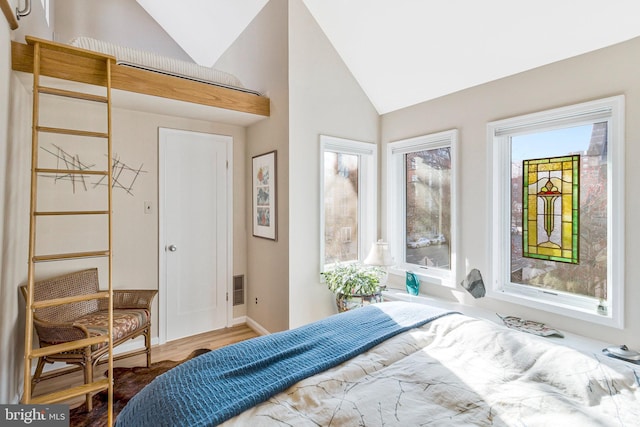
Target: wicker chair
78	320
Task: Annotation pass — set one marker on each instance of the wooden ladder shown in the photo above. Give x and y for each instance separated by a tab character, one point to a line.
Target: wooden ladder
42	48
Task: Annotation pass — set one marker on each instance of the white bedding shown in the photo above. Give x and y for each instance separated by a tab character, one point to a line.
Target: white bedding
458	371
159	63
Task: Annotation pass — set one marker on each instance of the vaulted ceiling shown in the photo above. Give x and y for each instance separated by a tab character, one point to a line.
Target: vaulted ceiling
403	52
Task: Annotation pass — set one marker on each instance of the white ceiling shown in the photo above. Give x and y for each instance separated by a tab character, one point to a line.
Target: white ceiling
203	28
403	52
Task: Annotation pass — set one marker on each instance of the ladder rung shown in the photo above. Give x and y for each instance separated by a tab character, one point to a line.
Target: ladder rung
74	255
68	346
73	132
69	300
72	94
71	171
55	213
70	393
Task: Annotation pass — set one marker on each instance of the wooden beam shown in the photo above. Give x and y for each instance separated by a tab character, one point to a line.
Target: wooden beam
9	13
87	70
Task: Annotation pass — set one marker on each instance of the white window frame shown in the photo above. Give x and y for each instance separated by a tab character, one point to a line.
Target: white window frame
367	191
499	133
47	11
396	206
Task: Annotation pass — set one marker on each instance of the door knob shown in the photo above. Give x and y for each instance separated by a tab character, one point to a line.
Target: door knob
172	248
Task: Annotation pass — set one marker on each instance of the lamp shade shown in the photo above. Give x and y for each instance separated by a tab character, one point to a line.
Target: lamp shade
379	254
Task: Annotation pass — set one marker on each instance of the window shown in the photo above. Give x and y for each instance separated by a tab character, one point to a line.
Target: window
47	12
421	191
348	205
557	221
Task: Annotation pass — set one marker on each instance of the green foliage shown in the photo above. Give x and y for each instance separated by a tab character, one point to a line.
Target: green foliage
353	279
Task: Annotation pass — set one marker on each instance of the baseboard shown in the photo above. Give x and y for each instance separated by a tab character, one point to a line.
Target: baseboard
238	320
257	327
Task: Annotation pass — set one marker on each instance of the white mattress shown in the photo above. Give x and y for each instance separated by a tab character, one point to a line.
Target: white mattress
459	371
161	64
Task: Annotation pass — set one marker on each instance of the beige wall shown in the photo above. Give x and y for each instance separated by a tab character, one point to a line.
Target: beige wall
16	127
259	58
324	99
15	123
285	54
607	72
35	24
123	22
9	362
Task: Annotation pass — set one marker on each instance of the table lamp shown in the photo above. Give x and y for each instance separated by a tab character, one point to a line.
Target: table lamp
380	256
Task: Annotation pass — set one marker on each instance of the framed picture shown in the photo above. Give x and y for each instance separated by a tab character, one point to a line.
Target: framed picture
263	177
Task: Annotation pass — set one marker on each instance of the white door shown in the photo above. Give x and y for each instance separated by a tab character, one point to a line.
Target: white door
194	224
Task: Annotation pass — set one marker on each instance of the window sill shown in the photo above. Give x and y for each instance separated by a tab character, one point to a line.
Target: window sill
430	276
557	307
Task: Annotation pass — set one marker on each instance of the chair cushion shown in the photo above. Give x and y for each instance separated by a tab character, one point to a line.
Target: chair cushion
125	323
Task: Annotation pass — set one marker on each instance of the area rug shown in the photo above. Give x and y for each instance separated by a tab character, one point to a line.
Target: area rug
126	383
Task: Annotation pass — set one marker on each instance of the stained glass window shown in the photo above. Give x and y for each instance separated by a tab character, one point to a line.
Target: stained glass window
550	211
559	209
557	217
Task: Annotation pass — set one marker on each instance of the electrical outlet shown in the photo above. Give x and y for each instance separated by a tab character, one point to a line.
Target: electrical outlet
256	300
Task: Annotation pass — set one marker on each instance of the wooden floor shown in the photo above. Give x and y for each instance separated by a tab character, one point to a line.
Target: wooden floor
174	350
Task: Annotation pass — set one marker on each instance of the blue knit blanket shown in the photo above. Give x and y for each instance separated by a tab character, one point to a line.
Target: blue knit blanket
218	385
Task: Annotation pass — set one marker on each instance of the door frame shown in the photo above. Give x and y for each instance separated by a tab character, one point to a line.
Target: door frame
162	254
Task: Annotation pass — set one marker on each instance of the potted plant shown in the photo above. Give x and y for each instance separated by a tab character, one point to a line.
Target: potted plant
355	285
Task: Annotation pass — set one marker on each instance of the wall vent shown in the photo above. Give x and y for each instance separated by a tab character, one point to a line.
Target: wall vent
238	290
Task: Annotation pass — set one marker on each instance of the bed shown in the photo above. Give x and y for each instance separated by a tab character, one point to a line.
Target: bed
393	363
142	73
150	61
